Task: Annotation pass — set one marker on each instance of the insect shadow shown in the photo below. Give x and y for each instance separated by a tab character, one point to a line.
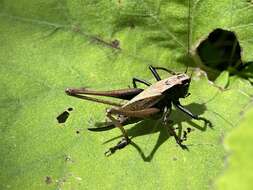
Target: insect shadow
148	127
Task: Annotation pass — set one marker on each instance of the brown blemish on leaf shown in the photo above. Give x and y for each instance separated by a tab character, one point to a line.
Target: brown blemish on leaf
113	44
48	180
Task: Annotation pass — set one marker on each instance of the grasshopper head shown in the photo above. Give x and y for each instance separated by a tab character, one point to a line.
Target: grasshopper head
184	86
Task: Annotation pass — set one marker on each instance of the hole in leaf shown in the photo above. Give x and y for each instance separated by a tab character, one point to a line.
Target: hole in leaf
189	129
184	136
62	118
221	50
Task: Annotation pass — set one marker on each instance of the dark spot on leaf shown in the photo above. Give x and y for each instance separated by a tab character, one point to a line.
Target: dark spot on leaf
221	50
241	113
48	180
112	44
174	158
189	129
77	132
131	24
62	118
70	109
184	136
115	44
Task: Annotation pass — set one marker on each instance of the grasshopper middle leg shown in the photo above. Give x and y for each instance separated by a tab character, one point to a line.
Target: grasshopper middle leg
183	109
140	81
166	114
156	75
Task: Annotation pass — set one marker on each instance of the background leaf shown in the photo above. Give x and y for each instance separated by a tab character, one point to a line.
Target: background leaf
47	46
238	172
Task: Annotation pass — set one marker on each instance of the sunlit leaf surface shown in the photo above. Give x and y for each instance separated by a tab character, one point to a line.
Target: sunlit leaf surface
47	46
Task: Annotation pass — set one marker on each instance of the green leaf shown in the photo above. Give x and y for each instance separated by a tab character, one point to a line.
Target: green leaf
238	173
47	46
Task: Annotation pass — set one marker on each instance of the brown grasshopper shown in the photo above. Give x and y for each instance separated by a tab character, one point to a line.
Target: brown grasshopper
156	100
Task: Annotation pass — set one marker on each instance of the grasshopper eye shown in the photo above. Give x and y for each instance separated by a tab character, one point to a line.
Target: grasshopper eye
180	76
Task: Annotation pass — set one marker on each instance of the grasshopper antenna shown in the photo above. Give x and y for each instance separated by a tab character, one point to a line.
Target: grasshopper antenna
186	69
191	73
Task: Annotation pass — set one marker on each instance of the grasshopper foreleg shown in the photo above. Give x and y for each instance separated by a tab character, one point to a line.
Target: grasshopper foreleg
183	109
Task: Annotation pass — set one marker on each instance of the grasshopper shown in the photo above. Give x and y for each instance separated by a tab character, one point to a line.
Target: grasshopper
155	101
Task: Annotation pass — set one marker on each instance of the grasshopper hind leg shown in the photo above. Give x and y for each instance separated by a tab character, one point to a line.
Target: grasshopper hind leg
138	114
121	144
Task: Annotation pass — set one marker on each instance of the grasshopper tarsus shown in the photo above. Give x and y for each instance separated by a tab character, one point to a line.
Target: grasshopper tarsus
110	152
121	144
196	117
207	122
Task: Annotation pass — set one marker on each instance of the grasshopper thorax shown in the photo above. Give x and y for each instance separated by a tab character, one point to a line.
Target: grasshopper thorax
177	86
